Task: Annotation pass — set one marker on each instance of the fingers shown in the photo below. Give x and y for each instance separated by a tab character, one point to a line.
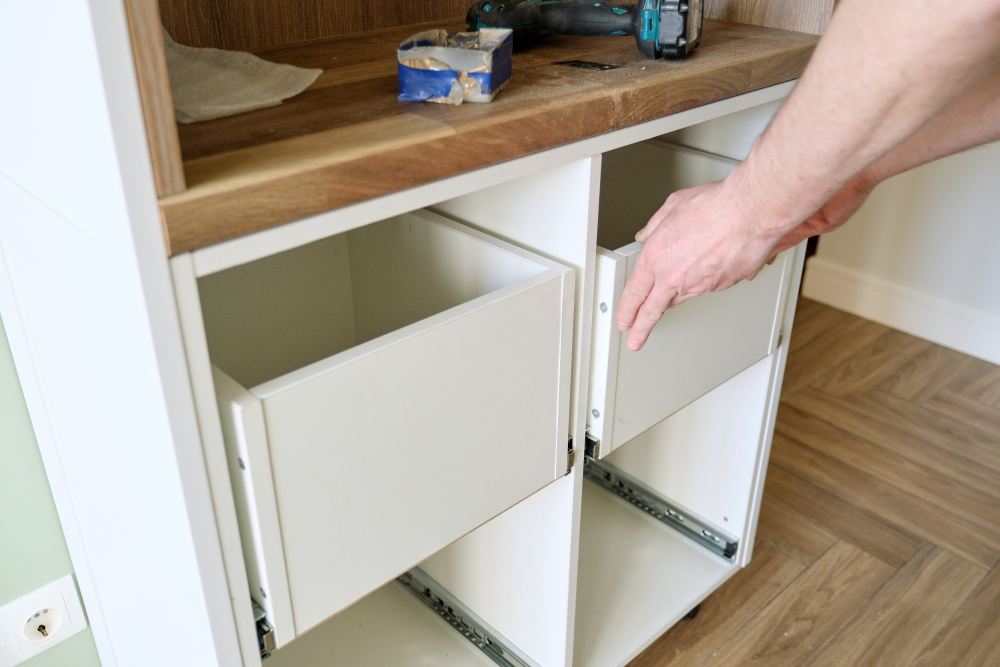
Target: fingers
649	314
653	223
636	289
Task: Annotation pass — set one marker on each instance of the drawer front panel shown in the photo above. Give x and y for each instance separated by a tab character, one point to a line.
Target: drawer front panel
408	442
694	348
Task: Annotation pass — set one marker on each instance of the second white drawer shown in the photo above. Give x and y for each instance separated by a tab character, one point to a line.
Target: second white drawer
696	346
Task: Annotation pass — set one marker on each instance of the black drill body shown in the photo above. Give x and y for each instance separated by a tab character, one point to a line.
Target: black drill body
661	28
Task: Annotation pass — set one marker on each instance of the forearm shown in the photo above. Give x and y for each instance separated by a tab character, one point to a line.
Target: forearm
887	84
971	120
891	66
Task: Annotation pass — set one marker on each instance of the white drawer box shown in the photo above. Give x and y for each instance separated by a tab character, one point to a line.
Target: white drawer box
696	346
383	392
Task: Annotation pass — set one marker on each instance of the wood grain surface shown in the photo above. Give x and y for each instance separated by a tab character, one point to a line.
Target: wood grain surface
926	374
791	533
979	381
810	16
348	139
249	25
872	424
888	353
893	627
828	350
970	638
154	91
849	522
900	461
690	642
914	513
808	612
979	507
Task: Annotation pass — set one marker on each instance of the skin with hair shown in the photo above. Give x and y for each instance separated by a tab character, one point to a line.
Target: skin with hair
893	84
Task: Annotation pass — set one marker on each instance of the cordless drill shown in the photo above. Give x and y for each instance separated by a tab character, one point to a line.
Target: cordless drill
662	28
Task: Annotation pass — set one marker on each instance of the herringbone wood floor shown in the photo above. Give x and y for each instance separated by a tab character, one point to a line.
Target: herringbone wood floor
879	536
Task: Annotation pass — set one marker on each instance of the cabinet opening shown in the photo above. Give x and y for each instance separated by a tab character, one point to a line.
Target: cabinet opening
640	572
636	578
703	457
637	179
274	315
389	627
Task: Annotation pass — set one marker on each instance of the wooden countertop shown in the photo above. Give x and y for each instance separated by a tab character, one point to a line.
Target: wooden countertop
347	139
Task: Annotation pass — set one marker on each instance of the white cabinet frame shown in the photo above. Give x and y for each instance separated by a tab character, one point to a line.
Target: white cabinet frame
95	322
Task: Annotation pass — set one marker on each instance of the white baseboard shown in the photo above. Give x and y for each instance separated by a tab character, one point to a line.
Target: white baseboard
968	330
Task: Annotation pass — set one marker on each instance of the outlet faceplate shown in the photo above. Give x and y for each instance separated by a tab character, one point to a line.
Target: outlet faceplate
55	607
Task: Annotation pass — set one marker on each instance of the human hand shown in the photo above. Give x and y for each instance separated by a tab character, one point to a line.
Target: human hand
702	239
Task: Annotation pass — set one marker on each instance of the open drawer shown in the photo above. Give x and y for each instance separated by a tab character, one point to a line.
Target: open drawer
696	346
382	393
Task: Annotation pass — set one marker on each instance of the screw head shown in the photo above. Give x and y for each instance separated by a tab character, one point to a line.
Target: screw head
604	307
595	413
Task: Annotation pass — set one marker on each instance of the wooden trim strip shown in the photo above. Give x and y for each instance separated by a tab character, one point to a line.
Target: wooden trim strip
154	91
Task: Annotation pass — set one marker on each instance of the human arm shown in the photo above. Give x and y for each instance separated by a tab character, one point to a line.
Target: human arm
971	120
872	84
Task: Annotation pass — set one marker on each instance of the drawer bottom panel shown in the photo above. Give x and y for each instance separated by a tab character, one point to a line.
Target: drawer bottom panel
389	627
637	577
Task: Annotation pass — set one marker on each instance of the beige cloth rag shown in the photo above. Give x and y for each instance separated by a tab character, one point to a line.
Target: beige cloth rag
212	83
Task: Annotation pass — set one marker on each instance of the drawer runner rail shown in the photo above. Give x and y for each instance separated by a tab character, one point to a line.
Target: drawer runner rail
463	619
265	633
650	501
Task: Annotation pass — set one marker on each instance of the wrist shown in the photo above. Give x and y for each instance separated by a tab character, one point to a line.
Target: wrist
866	181
762	206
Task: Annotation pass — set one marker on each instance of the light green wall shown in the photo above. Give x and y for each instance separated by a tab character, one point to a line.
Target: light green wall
32	547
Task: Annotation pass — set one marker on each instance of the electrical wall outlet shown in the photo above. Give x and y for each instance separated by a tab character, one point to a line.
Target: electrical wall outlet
40	619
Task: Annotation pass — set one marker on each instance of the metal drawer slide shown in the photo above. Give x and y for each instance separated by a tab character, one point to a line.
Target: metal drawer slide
463	619
653	503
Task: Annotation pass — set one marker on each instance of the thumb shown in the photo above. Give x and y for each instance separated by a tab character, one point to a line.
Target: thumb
650	227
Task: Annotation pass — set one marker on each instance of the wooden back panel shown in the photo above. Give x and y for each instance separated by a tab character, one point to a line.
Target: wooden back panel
253	25
811	16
